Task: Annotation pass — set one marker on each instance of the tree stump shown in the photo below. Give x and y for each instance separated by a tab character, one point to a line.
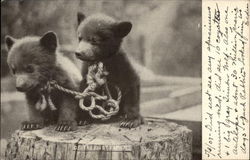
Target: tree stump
156	139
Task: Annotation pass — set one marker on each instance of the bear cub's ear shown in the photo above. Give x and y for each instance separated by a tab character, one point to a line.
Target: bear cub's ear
80	17
9	41
49	41
122	29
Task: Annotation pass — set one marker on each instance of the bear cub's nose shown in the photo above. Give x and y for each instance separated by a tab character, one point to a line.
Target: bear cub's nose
78	54
19	88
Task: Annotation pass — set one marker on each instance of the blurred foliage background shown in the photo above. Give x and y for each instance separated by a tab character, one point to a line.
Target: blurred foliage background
166	34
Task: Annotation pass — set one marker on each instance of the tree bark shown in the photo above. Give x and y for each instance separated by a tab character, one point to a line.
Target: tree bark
156	139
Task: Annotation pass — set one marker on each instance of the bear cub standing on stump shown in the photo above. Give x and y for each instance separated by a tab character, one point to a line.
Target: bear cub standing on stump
34	61
100	38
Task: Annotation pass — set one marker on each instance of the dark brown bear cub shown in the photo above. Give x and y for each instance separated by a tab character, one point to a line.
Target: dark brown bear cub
100	38
34	61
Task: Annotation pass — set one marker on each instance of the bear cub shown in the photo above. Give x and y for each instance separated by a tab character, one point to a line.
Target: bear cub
100	37
34	61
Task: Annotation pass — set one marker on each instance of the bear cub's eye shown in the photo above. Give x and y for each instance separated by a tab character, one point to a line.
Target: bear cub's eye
93	40
29	69
79	39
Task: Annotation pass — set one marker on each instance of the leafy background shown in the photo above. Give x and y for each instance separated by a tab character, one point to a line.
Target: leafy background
166	34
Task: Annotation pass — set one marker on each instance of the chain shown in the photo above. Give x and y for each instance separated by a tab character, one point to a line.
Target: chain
96	77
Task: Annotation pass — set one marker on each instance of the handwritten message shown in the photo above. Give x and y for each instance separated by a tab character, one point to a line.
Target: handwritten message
225	79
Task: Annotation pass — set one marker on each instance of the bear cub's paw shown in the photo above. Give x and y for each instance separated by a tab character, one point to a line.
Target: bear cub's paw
66	125
26	125
132	123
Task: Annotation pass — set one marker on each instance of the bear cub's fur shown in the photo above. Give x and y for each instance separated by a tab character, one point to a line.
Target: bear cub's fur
100	38
34	61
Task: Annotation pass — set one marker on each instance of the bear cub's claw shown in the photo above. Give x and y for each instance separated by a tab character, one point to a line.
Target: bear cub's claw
131	123
83	123
31	125
65	126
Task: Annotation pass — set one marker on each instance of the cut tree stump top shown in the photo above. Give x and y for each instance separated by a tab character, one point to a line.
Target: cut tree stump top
156	139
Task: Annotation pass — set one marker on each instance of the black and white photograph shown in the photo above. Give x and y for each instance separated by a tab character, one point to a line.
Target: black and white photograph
101	79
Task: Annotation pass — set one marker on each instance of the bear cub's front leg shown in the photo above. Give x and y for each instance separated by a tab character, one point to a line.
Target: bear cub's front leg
67	115
36	120
131	108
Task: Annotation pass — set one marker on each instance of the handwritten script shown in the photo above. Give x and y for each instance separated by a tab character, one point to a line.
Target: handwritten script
225	80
